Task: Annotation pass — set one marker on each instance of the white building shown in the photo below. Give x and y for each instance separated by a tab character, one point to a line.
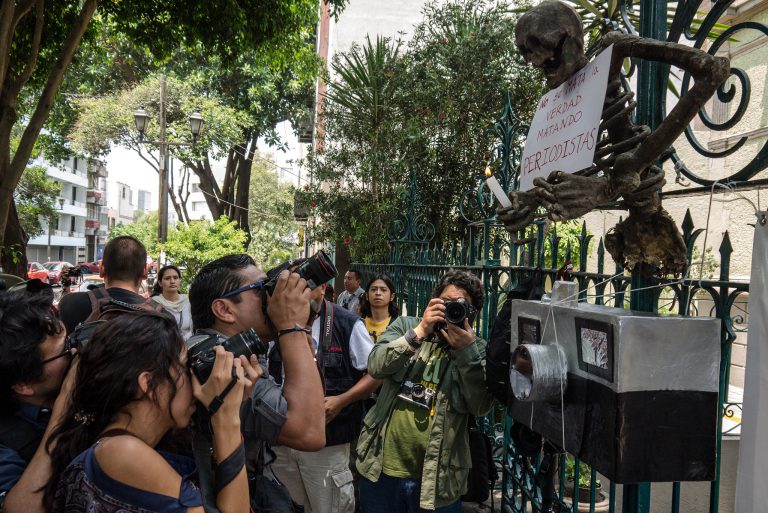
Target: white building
80	232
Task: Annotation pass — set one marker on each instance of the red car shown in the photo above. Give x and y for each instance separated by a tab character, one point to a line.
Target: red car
54	271
90	267
36	270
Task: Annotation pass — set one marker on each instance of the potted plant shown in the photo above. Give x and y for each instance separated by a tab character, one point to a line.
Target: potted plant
585	475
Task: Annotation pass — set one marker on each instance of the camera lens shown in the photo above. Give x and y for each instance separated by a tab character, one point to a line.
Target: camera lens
418	391
455	312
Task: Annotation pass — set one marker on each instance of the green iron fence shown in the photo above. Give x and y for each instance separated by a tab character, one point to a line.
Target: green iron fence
414	269
502	261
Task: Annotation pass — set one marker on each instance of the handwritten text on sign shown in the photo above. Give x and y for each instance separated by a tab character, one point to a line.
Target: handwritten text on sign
563	133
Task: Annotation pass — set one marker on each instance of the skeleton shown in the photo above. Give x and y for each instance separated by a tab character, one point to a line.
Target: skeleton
550	37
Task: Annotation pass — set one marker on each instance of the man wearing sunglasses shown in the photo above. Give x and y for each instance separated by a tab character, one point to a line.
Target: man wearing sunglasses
34	359
226	298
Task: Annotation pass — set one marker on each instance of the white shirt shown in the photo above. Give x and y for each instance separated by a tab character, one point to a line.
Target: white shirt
360	343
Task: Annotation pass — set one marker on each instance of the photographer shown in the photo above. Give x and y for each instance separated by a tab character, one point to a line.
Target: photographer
33	364
227	298
413	452
321	481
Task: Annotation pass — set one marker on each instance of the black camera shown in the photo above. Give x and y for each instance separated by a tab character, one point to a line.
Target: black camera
317	269
456	312
418	394
202	355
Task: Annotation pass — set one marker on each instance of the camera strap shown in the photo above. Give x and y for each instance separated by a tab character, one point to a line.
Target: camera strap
325	338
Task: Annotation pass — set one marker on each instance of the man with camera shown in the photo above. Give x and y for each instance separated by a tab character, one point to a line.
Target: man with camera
322	482
413	452
34	394
228	298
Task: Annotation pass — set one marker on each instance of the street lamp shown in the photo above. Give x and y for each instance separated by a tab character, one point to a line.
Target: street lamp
50	221
141	117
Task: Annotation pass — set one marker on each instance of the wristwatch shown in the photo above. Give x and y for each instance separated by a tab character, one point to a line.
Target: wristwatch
413	340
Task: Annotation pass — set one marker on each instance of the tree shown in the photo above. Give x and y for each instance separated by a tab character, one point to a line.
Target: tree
143	228
38	42
36	197
106	121
358	171
195	244
424	112
270	212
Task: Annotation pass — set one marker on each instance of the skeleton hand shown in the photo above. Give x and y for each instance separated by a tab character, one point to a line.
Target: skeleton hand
568	196
521	213
646	195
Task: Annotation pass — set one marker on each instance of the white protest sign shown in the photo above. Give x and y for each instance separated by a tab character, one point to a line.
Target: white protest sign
563	133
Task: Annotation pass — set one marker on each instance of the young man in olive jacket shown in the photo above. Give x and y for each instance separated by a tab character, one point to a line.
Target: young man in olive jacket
413	451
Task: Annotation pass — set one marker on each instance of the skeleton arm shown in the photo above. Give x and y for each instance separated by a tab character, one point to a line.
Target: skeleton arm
708	73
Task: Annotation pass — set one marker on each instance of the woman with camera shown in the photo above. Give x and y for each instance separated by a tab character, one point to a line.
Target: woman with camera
377	305
132	387
166	292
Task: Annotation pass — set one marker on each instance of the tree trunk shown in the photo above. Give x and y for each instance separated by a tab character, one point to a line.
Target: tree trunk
11	170
13	257
342	263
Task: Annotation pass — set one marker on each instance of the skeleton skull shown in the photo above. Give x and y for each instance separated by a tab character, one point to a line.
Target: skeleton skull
549	37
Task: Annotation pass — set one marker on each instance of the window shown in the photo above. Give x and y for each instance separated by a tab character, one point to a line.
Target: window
123	192
198	206
72	224
195	187
74	194
74	165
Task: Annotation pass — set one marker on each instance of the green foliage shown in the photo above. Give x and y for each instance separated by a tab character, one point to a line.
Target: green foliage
270	214
143	228
585	472
569	233
109	120
36	197
194	245
425	108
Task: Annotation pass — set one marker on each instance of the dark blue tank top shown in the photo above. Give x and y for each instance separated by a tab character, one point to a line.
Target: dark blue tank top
83	484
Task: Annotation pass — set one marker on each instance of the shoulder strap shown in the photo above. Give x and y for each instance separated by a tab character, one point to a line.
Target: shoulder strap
99	298
327	332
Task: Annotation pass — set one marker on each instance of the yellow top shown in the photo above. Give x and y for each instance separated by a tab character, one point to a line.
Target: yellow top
376	329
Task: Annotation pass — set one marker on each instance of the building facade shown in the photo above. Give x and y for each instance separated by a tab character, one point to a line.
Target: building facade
80	230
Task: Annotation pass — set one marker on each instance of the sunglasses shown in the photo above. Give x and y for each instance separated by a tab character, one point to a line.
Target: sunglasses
251	286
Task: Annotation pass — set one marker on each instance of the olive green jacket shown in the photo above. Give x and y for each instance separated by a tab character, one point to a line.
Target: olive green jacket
462	394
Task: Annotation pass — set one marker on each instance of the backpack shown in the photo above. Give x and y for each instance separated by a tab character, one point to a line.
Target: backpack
497	359
105	308
483	474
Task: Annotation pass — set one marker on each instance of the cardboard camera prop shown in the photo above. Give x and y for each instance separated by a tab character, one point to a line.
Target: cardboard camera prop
632	394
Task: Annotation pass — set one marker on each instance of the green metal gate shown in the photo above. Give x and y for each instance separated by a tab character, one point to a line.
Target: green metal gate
414	263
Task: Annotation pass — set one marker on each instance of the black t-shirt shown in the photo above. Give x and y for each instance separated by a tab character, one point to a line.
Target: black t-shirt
75	308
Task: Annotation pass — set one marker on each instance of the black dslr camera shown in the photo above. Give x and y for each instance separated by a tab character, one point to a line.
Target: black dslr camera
202	355
316	269
455	313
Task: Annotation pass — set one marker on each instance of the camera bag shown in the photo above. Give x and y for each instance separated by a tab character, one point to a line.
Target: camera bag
482	476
